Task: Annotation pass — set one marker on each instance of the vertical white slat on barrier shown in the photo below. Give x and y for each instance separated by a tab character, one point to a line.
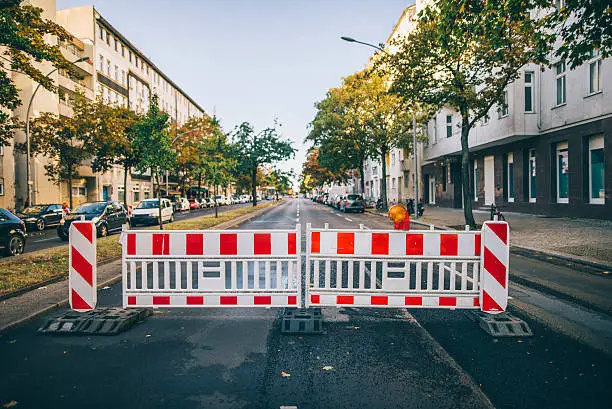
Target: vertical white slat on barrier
327	272
166	275
453	275
298	252
317	282
256	275
429	275
244	275
290	274
338	274
476	271
373	270
385	272
156	275
279	275
178	275
124	265
308	285
418	277
351	264
362	268
189	276
267	275
143	274
234	275
441	275
407	274
464	276
132	275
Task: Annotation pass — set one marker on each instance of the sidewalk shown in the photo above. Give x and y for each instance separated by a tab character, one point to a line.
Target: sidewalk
583	239
587	240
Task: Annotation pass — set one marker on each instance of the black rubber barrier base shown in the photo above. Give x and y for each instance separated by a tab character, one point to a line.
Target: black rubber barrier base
502	325
302	321
101	321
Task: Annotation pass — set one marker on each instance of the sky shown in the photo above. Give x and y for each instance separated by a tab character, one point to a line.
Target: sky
254	60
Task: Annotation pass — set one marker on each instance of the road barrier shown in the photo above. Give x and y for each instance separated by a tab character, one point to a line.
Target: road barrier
208	268
82	277
416	269
251	268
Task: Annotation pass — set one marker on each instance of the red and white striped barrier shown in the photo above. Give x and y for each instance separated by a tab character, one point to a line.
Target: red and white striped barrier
82	280
417	269
208	268
494	266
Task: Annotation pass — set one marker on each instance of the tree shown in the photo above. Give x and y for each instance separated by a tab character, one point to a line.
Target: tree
313	174
154	146
463	54
114	144
219	161
22	37
338	130
582	26
66	141
258	149
280	180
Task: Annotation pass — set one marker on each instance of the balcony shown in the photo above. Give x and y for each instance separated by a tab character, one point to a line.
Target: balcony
406	165
74	85
65	109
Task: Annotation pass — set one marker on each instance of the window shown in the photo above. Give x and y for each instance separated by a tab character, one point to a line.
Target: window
595	72
123	79
116	44
101	63
136	195
485	119
559	4
79	191
108	38
130	54
1	150
596	170
100	33
393	158
108	71
562	173
1	186
449	126
435	130
529	91
475	181
121	193
147	194
116	73
503	110
532	176
510	184
122	50
560	83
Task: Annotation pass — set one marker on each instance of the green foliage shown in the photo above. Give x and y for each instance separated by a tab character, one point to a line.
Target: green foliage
22	37
582	26
463	54
313	174
259	149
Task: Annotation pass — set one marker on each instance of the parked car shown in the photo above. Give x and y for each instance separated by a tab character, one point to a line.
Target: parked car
338	201
12	233
194	204
236	200
108	216
370	202
41	216
183	205
174	199
245	199
147	212
222	200
353	203
208	202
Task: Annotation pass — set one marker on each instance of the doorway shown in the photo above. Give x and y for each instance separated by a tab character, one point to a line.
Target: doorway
489	180
432	189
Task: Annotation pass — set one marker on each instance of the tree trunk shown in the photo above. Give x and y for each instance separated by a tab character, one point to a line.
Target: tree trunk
254	185
69	188
383	179
465	170
200	186
161	224
125	173
362	177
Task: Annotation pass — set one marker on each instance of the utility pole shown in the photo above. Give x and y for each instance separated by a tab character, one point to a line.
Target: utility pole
416	167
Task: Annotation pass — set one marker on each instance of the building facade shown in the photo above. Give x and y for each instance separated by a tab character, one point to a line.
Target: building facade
117	71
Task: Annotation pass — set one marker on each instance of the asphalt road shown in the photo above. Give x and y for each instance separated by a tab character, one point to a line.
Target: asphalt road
48	238
235	358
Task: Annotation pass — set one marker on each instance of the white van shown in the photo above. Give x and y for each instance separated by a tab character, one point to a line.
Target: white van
147	212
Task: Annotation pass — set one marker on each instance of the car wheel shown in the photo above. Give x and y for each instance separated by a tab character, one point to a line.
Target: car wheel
103	230
40	224
15	246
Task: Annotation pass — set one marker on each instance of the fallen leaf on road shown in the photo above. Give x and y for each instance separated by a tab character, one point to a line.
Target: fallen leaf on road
12	341
10	404
355	327
147	336
106	287
44	287
520	341
328	368
285	374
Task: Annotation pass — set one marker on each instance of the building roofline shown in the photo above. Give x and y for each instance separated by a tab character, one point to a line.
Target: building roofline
116	32
396	26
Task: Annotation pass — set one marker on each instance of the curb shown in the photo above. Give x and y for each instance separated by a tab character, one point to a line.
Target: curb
600	269
221	226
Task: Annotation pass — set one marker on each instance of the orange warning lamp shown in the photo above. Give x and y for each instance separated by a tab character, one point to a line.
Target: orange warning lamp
399	216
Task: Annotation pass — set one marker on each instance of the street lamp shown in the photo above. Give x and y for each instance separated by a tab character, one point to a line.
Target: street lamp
28	189
414	135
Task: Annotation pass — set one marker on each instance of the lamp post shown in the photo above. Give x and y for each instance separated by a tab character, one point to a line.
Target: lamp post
29	182
414	134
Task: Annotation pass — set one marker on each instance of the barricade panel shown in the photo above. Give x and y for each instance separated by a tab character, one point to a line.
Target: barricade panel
207	268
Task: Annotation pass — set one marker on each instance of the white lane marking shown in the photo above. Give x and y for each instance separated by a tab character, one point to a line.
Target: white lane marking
338	214
346	218
40	241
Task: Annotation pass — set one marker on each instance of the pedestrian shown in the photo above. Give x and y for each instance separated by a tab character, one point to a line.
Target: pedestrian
65	208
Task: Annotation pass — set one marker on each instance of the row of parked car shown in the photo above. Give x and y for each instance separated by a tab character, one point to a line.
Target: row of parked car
345	203
109	216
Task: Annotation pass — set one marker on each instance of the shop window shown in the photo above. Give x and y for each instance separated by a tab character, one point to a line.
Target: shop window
1	186
79	191
596	170
562	173
510	182
444	178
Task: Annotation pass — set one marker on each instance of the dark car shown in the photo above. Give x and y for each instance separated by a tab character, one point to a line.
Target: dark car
12	233
41	216
352	203
109	217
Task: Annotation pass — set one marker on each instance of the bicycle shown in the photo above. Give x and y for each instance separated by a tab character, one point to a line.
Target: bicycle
496	214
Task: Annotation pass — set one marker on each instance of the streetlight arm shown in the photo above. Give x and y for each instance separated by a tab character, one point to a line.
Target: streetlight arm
352	40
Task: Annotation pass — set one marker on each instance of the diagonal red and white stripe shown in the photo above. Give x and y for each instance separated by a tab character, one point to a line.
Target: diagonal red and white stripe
82	266
494	267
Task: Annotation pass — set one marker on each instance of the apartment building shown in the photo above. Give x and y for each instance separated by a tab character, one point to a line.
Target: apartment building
546	152
117	71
